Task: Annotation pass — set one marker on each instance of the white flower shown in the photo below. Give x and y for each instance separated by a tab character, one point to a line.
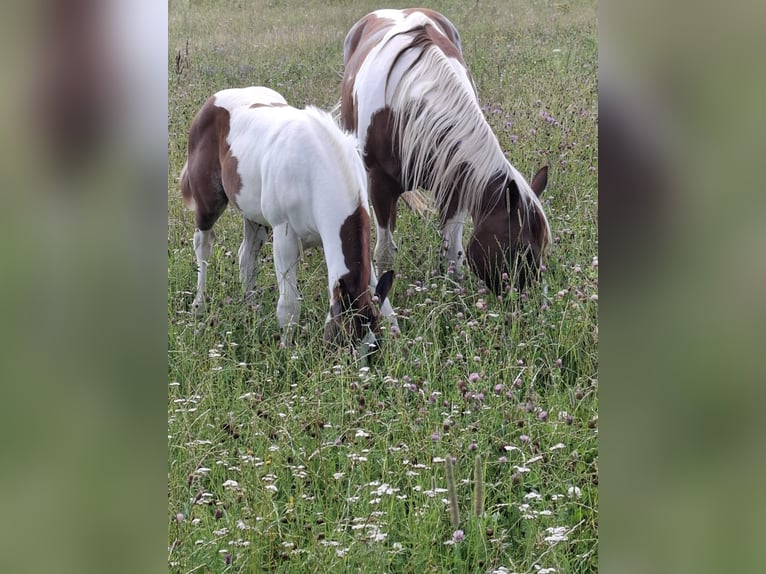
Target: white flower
574	492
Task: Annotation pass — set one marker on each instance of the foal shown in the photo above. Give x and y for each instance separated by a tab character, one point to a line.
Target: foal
296	172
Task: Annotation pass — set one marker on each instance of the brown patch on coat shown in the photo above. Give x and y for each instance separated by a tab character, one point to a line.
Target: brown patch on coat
353	292
444	24
383	164
211	179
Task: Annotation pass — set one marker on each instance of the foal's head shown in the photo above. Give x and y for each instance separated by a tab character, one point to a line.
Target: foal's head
355	314
510	238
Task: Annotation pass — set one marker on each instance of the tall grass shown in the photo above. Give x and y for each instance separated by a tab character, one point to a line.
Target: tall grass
301	461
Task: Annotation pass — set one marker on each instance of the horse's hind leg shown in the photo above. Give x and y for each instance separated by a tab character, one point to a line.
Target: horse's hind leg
203	248
254	236
286	252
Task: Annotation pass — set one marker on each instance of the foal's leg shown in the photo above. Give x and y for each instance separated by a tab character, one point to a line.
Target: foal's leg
209	204
203	248
254	236
453	252
286	251
384	192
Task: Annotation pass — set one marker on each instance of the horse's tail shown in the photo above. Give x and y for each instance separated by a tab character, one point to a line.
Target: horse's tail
418	202
186	192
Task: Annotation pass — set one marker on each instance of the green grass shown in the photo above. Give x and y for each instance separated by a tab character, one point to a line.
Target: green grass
338	469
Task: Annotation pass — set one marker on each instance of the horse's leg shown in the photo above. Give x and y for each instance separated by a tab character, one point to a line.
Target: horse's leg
203	248
453	252
210	201
286	252
253	239
386	308
384	192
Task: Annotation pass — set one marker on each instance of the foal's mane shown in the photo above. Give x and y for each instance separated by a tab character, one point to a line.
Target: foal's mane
448	140
347	150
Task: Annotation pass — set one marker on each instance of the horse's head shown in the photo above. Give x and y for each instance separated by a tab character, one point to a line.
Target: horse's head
510	238
355	314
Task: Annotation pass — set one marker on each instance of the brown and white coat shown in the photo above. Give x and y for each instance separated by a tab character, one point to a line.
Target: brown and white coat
410	99
294	171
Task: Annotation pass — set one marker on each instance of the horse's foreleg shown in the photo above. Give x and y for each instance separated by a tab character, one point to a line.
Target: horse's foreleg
453	252
286	252
203	249
249	263
384	191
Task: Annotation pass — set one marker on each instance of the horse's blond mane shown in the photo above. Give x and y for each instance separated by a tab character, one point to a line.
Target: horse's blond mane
440	139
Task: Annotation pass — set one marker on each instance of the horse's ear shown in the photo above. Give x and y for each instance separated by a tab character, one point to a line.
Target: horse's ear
384	285
540	180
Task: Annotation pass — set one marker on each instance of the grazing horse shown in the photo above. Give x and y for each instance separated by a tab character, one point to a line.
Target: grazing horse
410	99
296	172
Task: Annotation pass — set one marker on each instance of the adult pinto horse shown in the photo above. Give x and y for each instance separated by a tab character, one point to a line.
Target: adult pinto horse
297	172
410	99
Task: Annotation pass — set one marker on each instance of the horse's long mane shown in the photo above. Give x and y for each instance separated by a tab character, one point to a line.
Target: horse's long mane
443	136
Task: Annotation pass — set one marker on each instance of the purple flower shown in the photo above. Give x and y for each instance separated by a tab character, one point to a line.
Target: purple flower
559	362
524	438
458	536
498	388
435	436
542	415
514	138
473	446
228	559
473	377
179	517
502	459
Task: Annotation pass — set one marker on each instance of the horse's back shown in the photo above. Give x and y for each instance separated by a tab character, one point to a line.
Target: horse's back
294	166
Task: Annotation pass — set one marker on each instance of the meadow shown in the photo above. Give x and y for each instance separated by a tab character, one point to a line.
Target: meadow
303	460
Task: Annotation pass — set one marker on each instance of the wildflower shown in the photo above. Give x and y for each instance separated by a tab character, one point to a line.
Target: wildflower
458	536
524	438
473	377
227	559
179	517
574	492
559	362
435	436
542	415
498	388
218	513
473	446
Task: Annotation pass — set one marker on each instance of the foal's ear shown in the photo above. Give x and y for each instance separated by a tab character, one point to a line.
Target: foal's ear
384	285
540	180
